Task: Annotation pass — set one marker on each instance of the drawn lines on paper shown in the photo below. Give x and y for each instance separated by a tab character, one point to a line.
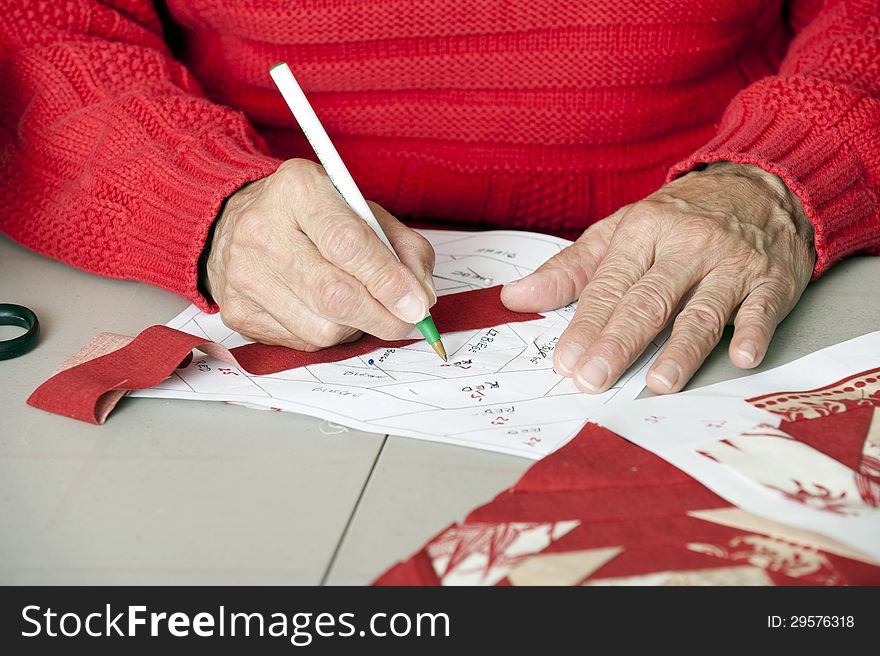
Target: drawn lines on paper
464	402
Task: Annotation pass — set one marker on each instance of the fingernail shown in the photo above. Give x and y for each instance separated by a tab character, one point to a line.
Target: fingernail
411	308
568	358
748	351
594	374
534	281
667	373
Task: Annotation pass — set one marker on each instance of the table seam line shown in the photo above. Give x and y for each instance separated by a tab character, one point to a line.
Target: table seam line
335	555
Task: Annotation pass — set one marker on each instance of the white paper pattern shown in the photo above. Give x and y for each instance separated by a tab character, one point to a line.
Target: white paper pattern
498	392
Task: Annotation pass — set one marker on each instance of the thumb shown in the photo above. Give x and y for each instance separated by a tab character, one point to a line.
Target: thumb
562	278
415	252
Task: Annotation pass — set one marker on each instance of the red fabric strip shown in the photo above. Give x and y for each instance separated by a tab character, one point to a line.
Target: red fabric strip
90	390
481	308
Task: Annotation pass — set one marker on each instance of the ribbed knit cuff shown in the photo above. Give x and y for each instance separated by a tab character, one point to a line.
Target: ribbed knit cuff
797	129
180	200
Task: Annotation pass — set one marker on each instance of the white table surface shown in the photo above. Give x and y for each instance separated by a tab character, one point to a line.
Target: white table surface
190	492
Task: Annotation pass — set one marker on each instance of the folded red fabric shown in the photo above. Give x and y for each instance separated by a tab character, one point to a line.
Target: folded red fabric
89	391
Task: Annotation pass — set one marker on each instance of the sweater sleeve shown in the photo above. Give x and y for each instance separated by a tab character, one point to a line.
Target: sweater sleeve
112	158
816	124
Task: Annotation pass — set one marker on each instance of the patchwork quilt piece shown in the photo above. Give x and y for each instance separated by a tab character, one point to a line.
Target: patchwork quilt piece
603	511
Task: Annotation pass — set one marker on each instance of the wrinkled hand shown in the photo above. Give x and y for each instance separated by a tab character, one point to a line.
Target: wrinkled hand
728	239
291	264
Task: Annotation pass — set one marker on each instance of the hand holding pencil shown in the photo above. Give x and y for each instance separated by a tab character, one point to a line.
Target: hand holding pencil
291	263
339	175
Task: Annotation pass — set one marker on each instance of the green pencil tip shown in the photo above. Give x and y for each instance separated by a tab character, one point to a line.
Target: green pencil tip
428	329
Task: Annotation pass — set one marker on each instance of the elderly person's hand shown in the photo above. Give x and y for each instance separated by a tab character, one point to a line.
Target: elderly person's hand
291	264
727	240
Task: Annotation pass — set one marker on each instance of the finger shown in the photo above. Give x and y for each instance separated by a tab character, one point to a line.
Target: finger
696	331
295	326
308	330
755	323
414	251
347	242
259	297
562	278
323	300
644	311
255	324
622	267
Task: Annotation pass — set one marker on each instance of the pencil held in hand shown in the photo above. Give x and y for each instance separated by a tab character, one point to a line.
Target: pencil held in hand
339	175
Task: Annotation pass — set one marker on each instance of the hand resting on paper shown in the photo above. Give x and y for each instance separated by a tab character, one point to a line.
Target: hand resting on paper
291	264
727	241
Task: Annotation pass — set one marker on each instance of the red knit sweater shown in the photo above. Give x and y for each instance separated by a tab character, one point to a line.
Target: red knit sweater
118	148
